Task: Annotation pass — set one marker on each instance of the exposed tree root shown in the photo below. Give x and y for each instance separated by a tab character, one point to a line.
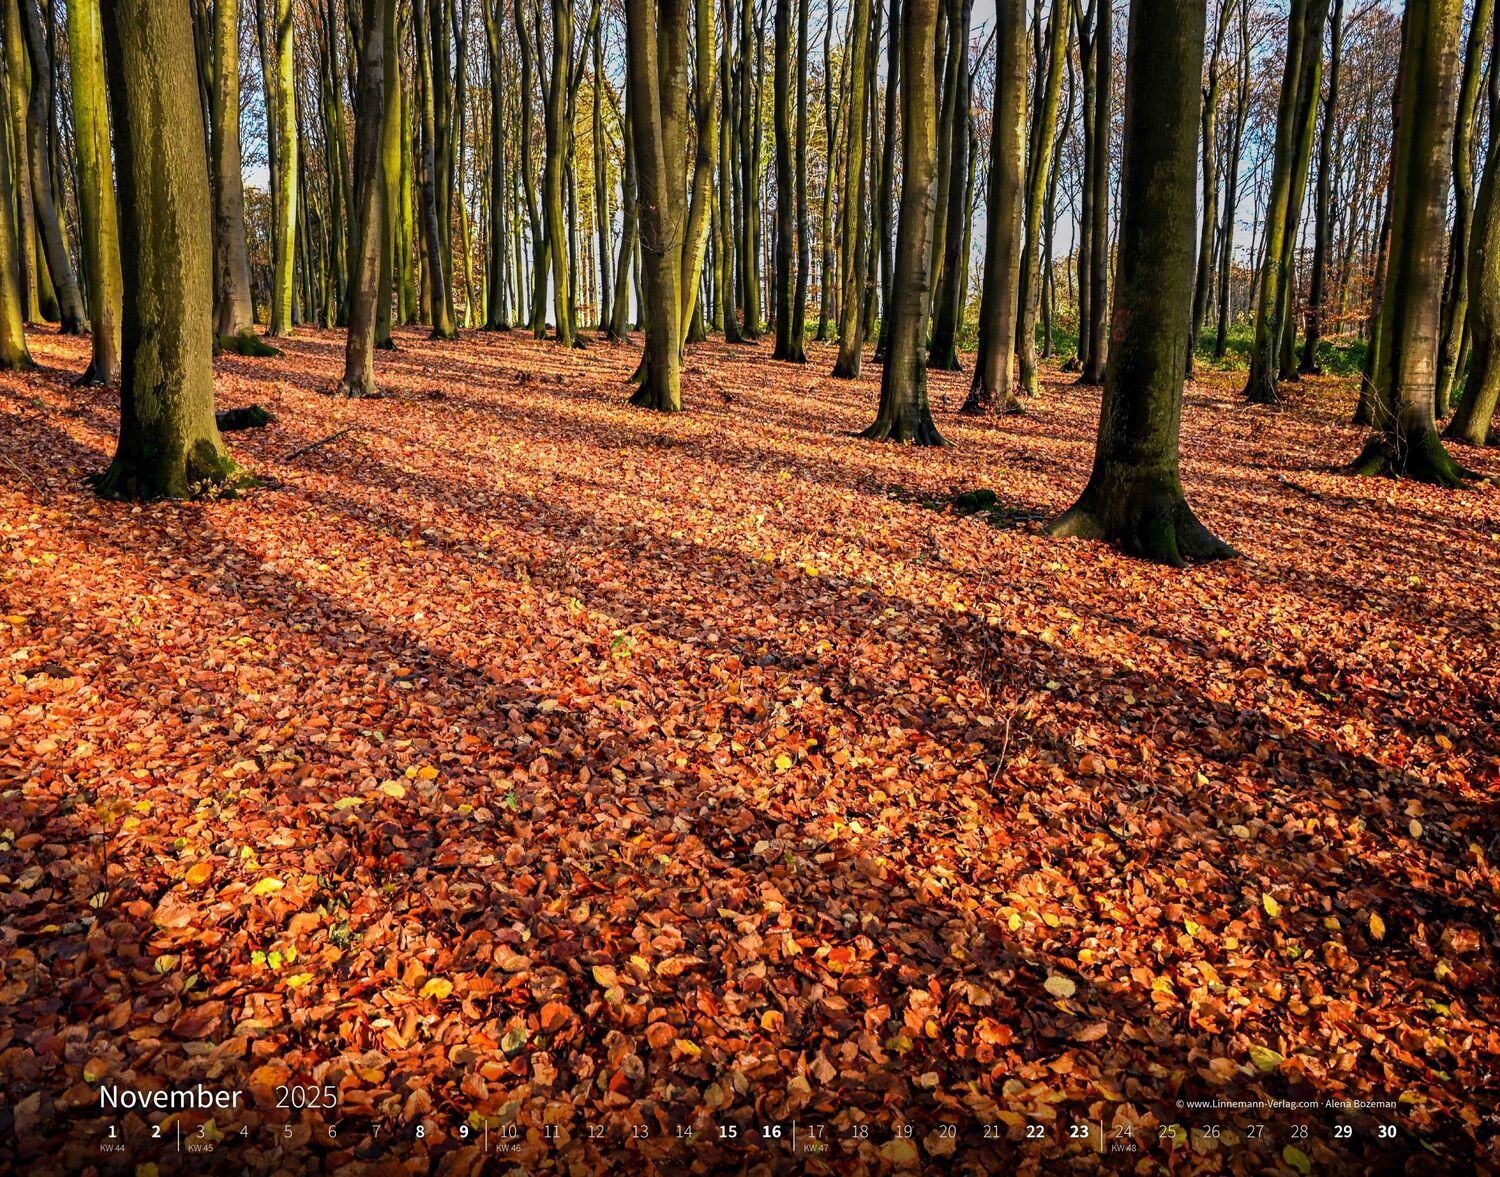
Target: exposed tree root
90	378
204	471
1422	459
247	343
1150	519
913	429
980	403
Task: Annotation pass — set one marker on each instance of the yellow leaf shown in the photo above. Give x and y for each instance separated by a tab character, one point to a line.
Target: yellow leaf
15	619
1060	987
1265	1058
783	762
427	773
297	980
691	1049
146	1170
605	975
1444	742
1377	926
393	789
267	887
348	802
199	873
1014	921
1297	1159
1273	909
438	987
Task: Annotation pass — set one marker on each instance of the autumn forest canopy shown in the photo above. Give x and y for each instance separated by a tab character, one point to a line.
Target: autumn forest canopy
749	586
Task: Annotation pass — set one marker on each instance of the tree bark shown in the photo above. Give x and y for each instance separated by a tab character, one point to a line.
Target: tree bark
993	387
96	192
904	415
942	353
369	186
1098	350
14	354
1134	497
169	444
39	115
852	230
1322	227
1405	441
284	180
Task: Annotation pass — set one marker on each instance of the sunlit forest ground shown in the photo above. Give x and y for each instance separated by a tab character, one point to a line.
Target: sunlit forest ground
521	754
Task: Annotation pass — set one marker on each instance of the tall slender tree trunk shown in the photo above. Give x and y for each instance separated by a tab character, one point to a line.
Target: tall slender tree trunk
657	69
852	230
796	343
1204	282
439	288
17	89
1295	109
1473	422
1405	441
1093	368
904	415
1232	183
1039	184
993	387
885	201
943	351
705	146
1322	214
602	214
1134	497
284	178
96	191
496	311
369	187
169	444
629	220
39	116
14	354
786	244
1455	283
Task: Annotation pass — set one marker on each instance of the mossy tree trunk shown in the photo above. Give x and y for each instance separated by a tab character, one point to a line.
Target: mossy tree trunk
439	287
602	214
1405	441
748	107
39	113
16	91
852	230
390	169
169	445
14	354
1473	422
619	327
369	206
1134	496
96	191
1455	281
904	415
1203	284
1039	184
705	146
725	242
284	180
1295	108
993	387
657	72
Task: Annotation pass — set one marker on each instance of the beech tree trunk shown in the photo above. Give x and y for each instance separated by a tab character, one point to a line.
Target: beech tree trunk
1405	441
994	380
96	191
169	444
1134	496
904	415
284	180
369	206
14	355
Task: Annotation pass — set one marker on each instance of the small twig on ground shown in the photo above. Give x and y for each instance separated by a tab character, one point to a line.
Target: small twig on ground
322	441
1297	486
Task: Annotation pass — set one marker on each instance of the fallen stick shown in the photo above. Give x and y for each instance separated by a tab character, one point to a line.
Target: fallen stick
1297	486
297	453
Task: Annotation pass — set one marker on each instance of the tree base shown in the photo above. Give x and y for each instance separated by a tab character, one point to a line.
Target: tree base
90	378
1422	459
944	362
450	334
1148	519
980	403
386	344
845	369
646	397
921	432
1262	390
246	343
1087	380
204	472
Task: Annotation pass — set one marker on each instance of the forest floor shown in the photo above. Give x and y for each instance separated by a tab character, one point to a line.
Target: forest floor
520	758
